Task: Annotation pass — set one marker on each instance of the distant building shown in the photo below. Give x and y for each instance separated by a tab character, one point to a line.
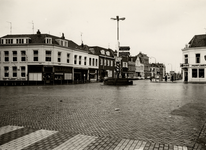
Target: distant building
158	71
131	66
194	59
145	61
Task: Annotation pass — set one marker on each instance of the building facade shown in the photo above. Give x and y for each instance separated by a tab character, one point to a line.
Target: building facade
106	61
145	61
43	59
194	60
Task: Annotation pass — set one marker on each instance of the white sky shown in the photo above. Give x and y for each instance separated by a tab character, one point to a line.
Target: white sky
158	28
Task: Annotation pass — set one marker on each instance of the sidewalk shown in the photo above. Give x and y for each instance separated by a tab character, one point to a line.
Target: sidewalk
16	137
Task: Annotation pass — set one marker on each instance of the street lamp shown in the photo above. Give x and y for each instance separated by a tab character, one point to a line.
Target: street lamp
155	67
118	19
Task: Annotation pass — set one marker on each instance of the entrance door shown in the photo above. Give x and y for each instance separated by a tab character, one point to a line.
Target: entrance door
186	76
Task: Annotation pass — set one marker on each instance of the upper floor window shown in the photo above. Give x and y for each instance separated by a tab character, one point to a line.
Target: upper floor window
85	60
59	56
6	71
48	56
35	52
68	56
9	41
90	61
14	55
75	59
48	40
105	62
6	55
101	61
197	58
19	41
93	62
23	74
111	62
186	59
23	55
96	62
80	57
14	71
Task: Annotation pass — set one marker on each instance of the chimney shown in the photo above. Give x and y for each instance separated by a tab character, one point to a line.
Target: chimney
63	36
38	32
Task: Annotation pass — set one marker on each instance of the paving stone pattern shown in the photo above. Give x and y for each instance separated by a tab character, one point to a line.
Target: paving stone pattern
21	138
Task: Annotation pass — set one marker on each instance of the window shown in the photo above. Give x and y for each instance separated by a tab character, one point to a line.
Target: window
35	52
101	61
0	56
14	71
194	73
108	62
112	63
90	61
197	58
75	59
48	40
186	59
23	55
6	55
19	41
6	71
105	62
23	74
85	60
48	56
80	57
68	56
9	41
14	55
201	73
96	62
93	61
59	57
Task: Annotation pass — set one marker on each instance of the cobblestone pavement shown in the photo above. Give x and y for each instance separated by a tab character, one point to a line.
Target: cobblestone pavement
92	116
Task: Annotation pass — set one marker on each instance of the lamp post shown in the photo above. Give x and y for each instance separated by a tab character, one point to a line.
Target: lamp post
118	19
155	67
118	45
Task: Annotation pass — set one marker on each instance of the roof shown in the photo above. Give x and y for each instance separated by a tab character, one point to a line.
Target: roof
40	38
97	51
198	41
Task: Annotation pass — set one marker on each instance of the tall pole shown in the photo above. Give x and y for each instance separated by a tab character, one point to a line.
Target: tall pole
118	19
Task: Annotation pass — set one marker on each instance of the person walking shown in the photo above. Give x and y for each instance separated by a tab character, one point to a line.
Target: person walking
166	78
172	78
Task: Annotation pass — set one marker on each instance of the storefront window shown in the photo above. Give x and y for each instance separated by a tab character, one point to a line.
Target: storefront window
201	73
194	73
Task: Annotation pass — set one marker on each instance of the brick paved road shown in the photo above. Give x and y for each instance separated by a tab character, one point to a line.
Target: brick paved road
158	114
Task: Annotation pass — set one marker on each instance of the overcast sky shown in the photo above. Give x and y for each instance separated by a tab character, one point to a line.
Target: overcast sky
158	28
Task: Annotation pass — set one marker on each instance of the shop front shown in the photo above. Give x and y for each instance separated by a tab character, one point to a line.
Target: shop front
80	75
194	72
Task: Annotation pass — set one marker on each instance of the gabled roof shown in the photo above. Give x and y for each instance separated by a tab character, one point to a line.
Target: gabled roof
40	39
198	41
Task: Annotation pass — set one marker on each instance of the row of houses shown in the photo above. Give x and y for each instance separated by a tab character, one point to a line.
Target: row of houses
47	59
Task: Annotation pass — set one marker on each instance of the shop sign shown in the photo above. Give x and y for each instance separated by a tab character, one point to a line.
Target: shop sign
199	65
184	65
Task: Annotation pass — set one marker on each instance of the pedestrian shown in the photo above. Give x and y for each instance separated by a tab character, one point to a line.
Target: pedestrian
166	78
150	78
172	78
